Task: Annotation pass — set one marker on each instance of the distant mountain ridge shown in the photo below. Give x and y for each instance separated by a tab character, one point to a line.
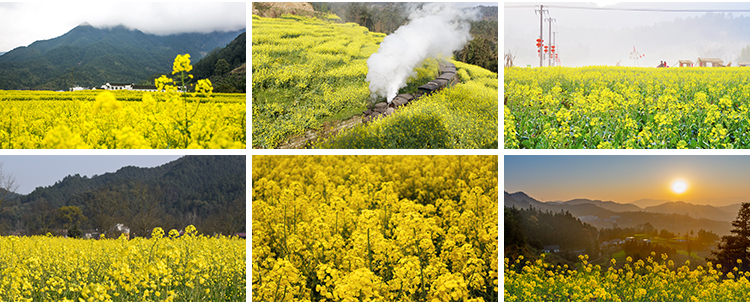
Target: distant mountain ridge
89	56
692	210
172	173
613	206
643	203
674	216
202	190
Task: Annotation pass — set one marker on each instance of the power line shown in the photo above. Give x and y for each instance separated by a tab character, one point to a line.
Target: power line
637	9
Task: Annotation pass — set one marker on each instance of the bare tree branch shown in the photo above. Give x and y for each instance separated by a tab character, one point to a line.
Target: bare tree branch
8	186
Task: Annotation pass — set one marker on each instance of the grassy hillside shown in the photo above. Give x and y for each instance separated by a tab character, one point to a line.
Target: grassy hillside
306	71
461	117
309	71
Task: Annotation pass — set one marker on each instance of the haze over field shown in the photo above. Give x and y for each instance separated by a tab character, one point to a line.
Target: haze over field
606	33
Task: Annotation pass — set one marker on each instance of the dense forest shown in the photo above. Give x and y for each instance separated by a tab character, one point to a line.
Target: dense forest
225	67
529	230
206	191
387	17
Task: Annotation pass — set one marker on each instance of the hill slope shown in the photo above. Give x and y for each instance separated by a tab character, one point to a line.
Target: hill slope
89	56
675	218
695	211
225	67
206	191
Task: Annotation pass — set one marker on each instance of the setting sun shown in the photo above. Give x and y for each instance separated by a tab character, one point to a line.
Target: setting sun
679	186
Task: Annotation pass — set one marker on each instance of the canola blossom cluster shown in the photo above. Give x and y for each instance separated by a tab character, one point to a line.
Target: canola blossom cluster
625	107
463	116
124	119
306	71
166	267
654	280
375	228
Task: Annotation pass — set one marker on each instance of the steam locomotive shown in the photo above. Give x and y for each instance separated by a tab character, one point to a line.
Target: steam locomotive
447	78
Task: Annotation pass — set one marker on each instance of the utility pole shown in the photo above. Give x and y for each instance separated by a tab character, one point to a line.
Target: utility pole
554	51
549	41
541	11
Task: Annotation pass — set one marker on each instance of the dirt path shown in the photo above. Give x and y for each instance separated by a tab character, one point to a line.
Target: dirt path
310	137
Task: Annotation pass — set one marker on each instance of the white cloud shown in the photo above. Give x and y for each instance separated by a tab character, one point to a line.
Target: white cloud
22	23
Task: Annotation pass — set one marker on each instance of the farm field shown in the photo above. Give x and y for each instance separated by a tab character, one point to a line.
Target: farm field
620	107
308	72
460	117
375	228
191	268
120	120
656	279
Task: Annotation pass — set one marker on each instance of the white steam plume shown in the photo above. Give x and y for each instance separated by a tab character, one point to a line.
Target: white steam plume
433	30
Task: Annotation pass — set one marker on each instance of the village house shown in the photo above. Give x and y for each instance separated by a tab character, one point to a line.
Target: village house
128	86
715	62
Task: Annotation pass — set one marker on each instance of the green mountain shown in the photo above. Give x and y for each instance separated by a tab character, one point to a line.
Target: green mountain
206	191
225	67
88	56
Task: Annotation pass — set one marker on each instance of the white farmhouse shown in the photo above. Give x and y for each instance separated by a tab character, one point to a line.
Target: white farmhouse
117	86
128	86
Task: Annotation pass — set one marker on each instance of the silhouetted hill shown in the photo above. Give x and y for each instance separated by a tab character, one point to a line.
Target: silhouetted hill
734	208
89	56
613	206
643	203
692	210
673	217
522	199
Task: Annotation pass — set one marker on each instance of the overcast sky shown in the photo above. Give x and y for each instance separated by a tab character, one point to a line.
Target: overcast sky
714	180
31	171
22	23
603	33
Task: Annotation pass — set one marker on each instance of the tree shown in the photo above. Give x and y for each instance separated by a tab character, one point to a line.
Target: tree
8	186
70	217
515	238
736	246
222	67
666	234
360	14
707	236
40	218
480	52
106	209
146	209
